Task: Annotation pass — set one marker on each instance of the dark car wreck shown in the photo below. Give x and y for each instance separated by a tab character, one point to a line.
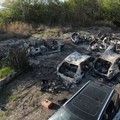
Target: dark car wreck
45	48
116	47
74	67
108	65
77	38
98	44
94	101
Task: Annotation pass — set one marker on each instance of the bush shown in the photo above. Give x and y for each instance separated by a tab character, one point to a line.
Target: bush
55	12
5	71
17	58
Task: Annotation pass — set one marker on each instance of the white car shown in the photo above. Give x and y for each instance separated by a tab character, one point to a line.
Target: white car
107	65
74	67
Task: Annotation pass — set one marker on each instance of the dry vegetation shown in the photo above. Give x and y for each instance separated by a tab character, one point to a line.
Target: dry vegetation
19	28
23	30
15	30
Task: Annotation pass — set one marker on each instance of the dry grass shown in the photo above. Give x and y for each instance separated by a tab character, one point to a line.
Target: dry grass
5	71
53	30
17	30
18	27
24	30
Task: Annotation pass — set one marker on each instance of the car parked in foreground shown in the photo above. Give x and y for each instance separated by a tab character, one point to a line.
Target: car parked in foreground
94	101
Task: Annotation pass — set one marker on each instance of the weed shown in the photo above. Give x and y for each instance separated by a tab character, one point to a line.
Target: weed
5	71
2	114
13	97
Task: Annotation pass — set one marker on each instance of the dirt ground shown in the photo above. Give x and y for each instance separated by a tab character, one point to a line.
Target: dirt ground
21	99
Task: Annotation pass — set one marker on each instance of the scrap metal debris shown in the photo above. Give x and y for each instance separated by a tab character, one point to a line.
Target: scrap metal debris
45	48
52	86
77	38
33	46
99	42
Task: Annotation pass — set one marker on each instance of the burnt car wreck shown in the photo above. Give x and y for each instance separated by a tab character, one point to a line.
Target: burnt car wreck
99	44
77	38
117	47
107	65
74	67
45	48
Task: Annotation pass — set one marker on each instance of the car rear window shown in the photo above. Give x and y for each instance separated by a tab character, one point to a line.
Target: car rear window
102	66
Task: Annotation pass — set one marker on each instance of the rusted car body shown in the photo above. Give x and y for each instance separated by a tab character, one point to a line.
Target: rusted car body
107	65
74	67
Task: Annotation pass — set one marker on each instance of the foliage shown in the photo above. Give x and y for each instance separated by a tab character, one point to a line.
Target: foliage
13	97
55	12
17	58
4	16
2	115
4	71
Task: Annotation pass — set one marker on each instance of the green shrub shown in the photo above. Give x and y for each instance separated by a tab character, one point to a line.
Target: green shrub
13	97
17	59
2	114
55	12
5	71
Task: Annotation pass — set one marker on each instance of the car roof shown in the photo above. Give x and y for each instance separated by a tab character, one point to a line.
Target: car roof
76	58
110	57
89	102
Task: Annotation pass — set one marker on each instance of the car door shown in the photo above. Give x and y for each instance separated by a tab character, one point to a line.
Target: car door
112	108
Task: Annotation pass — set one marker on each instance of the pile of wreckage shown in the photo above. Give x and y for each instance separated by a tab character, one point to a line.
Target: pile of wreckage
96	42
44	48
75	66
33	47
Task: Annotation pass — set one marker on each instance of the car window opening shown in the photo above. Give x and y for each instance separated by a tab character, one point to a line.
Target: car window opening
86	65
68	69
102	66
